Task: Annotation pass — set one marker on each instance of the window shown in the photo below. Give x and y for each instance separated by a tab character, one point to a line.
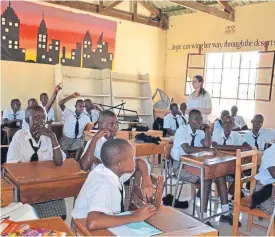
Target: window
50	47
6	29
50	59
10	46
23	50
63	60
89	55
85	42
3	22
3	19
56	48
43	46
93	50
44	36
40	40
56	42
16	42
73	53
103	43
3	37
85	45
16	24
84	55
43	56
238	78
15	46
100	50
10	41
10	23
39	46
73	57
44	40
89	42
40	35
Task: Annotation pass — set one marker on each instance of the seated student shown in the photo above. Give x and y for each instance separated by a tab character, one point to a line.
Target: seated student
239	121
173	120
262	196
44	99
183	108
259	136
192	138
14	116
37	143
108	128
92	110
74	125
218	123
102	195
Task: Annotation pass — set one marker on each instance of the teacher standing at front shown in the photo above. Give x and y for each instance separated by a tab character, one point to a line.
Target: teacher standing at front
200	99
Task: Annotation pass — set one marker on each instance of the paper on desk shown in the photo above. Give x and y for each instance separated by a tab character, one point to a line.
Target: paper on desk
135	229
202	153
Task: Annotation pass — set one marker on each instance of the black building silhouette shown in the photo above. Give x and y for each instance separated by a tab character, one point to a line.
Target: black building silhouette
75	59
10	40
102	59
42	53
87	51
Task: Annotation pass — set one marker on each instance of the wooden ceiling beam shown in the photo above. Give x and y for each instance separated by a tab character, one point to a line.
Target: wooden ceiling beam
110	6
206	9
225	5
93	8
134	10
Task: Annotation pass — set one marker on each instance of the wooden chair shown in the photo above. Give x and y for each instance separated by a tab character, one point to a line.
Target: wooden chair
243	204
136	200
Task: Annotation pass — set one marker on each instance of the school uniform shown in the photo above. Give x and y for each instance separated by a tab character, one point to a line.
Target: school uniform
23	148
94	116
50	114
73	128
171	122
264	178
103	191
217	125
239	122
10	115
185	135
265	135
234	139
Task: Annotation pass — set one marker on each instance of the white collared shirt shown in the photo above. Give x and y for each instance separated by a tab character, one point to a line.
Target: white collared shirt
94	116
70	122
266	135
50	114
9	114
217	126
239	122
169	122
183	135
268	160
100	193
203	102
98	147
20	149
234	139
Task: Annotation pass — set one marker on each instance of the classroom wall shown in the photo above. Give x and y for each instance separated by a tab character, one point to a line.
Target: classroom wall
252	22
139	50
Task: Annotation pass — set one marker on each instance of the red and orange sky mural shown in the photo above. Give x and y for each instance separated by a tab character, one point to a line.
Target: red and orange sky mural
63	25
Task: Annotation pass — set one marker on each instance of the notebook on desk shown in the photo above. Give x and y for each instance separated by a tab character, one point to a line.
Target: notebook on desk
141	228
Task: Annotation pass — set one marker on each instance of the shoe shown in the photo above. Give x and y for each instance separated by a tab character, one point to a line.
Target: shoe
209	224
228	219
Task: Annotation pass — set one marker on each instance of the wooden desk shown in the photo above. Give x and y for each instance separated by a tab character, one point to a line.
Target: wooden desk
154	133
148	149
6	193
37	182
54	223
169	220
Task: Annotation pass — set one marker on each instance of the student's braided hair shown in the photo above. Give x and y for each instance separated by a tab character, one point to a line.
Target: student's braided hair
201	80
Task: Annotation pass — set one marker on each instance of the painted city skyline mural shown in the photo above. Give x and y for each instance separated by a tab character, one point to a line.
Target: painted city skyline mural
32	32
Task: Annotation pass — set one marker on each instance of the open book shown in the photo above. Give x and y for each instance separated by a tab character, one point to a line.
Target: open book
18	212
141	228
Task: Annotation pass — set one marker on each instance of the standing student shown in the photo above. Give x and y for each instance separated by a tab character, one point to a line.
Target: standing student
108	127
102	195
93	111
44	99
183	108
259	136
218	125
262	195
37	143
74	125
239	121
192	138
200	99
14	116
173	120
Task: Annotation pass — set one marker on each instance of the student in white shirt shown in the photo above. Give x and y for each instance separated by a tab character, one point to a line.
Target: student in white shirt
92	110
183	108
192	138
37	143
102	195
239	121
74	125
108	127
44	100
259	136
173	120
266	177
14	116
218	123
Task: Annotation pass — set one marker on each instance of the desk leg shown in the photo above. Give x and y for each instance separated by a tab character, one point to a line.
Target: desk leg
166	176
271	223
202	189
15	194
177	185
